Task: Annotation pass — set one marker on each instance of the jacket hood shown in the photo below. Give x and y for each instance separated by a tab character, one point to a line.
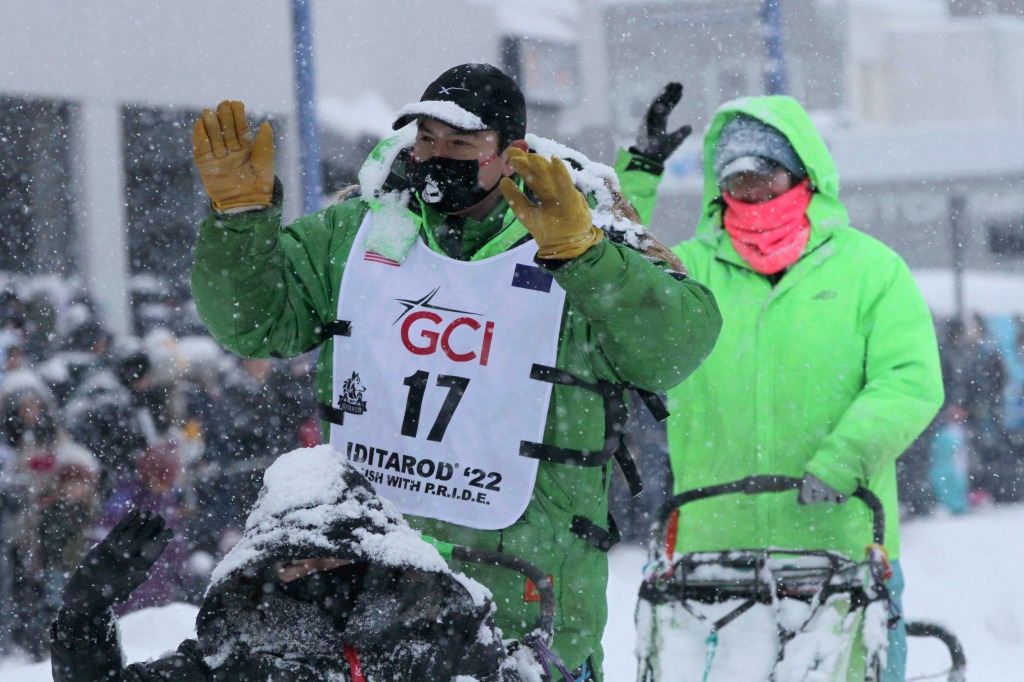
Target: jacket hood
314	505
786	115
408	614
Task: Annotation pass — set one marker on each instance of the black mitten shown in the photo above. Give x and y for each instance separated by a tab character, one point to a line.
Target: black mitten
118	564
654	142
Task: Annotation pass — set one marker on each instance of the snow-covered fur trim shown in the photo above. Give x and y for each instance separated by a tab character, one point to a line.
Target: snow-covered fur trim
375	170
345	193
613	213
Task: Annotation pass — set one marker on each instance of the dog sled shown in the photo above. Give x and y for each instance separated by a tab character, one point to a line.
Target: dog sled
768	614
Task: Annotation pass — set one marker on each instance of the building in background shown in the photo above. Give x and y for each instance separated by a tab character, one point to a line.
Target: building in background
374	56
96	111
717	50
922	107
921	100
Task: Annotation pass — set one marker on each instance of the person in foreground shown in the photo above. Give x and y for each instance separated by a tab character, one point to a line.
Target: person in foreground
827	367
468	312
327	583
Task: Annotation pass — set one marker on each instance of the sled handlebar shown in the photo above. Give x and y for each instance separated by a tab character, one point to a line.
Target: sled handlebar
545	624
958	669
755	485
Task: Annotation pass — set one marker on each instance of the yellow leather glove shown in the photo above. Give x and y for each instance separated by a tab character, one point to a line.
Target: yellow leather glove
561	224
236	170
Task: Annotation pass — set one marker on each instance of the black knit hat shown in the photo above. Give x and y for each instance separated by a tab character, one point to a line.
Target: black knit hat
749	145
472	97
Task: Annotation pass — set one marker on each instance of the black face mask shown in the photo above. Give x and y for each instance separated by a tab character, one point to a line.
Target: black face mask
334	591
448	185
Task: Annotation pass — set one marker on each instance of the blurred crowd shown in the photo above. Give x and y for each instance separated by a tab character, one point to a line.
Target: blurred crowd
93	424
973	452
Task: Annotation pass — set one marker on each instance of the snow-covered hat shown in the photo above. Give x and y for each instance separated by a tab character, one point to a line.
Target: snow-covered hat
749	145
472	97
315	505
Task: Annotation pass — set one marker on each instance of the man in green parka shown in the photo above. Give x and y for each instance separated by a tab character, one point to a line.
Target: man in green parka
827	367
455	335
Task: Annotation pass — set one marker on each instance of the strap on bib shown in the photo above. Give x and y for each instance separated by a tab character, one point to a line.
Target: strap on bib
338	328
597	536
616	414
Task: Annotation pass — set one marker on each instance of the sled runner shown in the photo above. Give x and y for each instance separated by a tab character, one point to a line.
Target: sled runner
958	662
766	614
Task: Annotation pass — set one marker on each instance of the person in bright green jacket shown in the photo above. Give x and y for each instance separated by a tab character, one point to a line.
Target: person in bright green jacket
431	207
827	367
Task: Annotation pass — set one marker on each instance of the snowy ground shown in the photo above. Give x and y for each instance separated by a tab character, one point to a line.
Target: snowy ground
961	572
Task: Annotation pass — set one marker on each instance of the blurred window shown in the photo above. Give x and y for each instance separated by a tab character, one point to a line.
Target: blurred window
36	224
165	196
548	72
1006	238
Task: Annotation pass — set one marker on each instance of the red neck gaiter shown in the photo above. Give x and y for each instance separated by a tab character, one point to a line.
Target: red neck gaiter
770	236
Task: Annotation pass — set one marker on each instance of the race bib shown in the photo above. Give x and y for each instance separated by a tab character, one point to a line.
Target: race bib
432	390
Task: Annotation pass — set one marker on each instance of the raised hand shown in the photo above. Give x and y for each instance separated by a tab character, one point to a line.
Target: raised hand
236	170
654	142
118	564
561	224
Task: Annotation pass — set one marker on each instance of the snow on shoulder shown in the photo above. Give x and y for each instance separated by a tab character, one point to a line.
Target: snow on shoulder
314	504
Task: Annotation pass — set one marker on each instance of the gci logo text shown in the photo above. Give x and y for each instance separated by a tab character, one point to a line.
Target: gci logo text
425	332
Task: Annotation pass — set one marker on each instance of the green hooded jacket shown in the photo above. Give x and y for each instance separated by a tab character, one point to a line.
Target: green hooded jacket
263	290
834	371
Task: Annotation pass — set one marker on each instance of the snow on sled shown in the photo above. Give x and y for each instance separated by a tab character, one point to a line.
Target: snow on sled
766	614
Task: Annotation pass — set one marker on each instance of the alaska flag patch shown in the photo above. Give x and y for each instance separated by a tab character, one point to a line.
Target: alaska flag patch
532	277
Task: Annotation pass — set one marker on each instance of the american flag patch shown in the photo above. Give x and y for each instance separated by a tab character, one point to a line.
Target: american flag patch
375	257
532	277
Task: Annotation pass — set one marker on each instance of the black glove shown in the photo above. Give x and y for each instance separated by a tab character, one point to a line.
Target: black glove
118	564
654	142
813	490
